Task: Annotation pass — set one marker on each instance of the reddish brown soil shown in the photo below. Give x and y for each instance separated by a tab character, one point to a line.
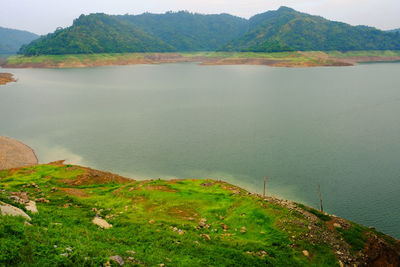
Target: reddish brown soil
183	212
74	192
93	177
381	252
160	188
355	60
6	78
243	61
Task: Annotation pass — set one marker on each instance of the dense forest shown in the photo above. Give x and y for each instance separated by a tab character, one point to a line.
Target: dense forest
11	40
96	33
282	30
287	29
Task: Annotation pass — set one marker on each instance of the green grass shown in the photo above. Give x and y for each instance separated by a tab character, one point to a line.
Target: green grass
371	53
354	236
147	217
293	58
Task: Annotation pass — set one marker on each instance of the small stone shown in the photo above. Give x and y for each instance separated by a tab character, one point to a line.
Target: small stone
336	225
118	259
224	226
101	222
206	236
306	253
42	200
64	255
31	206
68	248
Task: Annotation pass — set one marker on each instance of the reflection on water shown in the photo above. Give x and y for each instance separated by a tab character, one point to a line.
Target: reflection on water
337	127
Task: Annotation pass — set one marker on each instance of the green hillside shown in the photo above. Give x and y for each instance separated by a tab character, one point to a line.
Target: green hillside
11	40
274	31
286	29
190	32
96	33
91	218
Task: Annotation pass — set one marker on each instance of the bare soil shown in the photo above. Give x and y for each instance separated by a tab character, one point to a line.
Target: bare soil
6	78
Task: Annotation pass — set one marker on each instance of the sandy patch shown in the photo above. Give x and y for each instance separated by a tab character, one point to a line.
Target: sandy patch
14	154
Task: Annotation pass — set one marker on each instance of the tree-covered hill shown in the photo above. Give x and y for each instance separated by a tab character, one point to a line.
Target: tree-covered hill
394	30
190	32
282	30
96	33
11	40
287	29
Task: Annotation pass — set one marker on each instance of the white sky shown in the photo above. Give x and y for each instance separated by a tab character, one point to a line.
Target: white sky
43	16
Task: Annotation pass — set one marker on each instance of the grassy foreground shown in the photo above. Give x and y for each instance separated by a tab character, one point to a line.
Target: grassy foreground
165	223
278	59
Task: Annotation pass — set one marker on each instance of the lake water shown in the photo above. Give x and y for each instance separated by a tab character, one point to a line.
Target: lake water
337	127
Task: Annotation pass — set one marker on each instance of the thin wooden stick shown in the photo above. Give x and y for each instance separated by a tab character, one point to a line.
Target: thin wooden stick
320	198
265	182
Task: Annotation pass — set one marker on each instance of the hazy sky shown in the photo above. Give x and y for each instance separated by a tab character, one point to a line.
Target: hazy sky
43	16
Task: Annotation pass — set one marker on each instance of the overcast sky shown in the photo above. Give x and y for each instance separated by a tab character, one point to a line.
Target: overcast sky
43	16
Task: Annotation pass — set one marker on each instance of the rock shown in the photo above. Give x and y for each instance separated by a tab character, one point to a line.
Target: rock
206	236
7	209
118	259
101	222
336	225
202	222
31	206
306	253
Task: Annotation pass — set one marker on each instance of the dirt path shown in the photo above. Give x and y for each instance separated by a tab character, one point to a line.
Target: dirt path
14	154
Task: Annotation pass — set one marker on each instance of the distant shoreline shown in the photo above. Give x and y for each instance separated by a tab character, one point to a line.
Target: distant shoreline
280	59
6	78
15	154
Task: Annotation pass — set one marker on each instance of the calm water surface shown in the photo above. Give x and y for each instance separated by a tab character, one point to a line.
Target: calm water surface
337	127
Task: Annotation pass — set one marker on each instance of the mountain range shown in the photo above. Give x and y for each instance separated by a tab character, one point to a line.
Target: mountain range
11	40
284	29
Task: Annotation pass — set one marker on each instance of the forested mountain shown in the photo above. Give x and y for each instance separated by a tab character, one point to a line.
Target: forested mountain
190	32
11	40
282	30
96	33
394	30
287	29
